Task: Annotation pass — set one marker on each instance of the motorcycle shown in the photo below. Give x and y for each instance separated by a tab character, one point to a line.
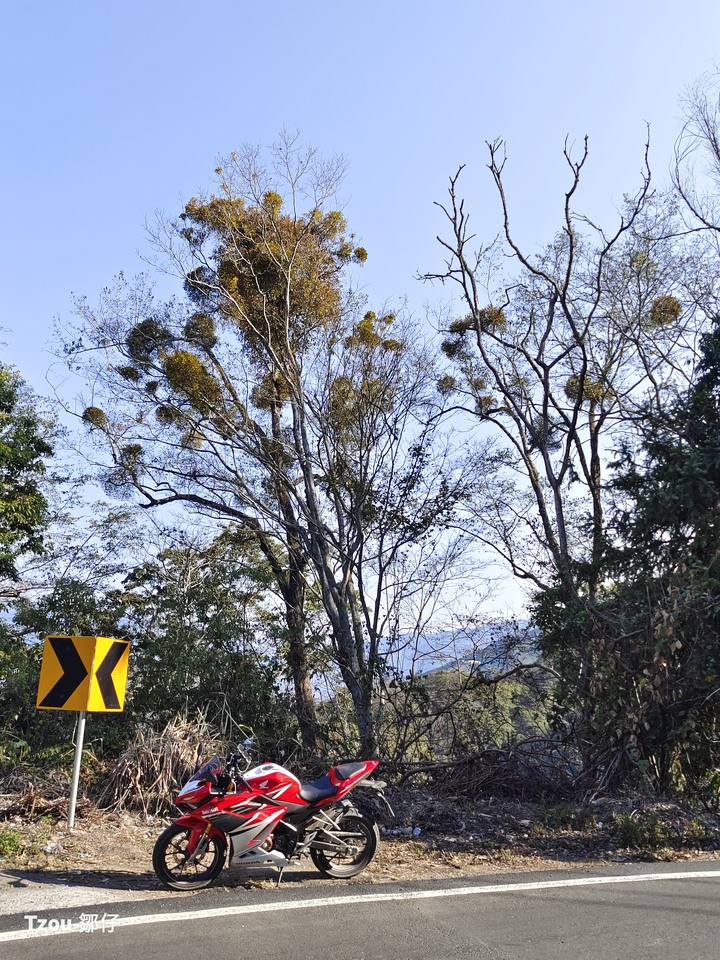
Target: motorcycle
265	815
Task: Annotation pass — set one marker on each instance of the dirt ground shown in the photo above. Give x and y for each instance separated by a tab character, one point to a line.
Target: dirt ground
428	838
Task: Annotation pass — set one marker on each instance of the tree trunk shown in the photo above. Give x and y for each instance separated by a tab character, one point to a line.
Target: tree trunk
293	590
353	665
297	659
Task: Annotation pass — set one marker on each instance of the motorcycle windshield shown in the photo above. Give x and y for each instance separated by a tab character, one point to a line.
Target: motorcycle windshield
209	771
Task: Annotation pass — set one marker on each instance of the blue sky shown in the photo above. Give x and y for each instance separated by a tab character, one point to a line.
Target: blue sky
111	112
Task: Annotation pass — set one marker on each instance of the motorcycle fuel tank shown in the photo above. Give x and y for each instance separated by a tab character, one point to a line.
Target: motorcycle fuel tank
275	782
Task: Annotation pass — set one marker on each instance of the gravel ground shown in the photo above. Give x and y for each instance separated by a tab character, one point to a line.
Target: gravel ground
108	858
24	892
42	891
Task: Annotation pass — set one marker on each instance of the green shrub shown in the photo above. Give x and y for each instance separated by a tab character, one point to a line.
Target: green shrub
10	842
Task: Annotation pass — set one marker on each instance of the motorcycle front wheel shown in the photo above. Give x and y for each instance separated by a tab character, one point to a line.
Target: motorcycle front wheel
172	863
362	836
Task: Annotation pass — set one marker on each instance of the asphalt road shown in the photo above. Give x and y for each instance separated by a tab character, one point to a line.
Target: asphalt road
513	917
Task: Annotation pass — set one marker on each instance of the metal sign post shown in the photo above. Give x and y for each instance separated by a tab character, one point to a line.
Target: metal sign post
79	739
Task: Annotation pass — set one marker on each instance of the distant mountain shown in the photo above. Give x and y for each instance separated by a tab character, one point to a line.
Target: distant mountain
489	648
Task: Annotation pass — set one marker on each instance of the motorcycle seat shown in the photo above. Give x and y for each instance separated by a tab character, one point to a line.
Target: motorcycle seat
347	770
318	790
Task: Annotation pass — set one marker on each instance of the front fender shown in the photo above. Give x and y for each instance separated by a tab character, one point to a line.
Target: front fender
198	827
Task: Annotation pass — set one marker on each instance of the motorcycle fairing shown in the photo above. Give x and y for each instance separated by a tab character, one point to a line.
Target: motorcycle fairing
250	833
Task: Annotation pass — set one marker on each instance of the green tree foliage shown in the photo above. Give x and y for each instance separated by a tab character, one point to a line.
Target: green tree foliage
561	355
68	589
203	627
19	672
204	637
455	713
654	634
266	399
74	607
208	388
24	447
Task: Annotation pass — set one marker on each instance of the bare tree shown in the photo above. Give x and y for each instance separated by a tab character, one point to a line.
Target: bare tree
696	168
558	352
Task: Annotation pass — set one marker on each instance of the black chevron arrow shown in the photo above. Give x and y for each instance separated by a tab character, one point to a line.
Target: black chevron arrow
104	674
75	672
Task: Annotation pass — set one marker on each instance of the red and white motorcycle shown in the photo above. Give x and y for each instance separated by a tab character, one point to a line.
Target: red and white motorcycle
265	815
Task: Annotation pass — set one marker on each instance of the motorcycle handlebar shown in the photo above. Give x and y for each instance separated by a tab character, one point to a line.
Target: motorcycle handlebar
234	759
235	771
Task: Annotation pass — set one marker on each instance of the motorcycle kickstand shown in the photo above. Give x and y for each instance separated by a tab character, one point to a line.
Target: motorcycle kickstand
277	884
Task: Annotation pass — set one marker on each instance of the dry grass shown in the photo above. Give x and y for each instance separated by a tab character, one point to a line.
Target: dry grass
150	771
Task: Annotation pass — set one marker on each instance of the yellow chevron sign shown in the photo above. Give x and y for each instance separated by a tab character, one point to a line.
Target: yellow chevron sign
83	673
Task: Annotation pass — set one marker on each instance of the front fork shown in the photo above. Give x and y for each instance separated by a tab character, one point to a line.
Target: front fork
200	833
197	846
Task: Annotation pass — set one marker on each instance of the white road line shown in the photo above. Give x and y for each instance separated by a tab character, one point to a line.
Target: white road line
359	898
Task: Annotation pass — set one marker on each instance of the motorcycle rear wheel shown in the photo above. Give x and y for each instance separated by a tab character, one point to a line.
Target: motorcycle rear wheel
366	837
170	859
